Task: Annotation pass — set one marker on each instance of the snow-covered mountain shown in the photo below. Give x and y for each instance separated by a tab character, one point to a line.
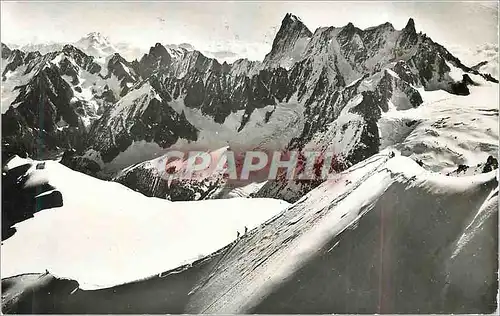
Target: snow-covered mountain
325	90
331	97
56	97
94	44
97	45
198	97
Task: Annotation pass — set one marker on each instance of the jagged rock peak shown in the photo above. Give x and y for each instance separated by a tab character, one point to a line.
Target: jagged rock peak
386	25
6	51
158	50
157	58
32	55
71	49
289	17
116	57
410	26
350	29
293	23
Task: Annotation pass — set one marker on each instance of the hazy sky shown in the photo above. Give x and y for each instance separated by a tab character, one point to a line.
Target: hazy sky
246	28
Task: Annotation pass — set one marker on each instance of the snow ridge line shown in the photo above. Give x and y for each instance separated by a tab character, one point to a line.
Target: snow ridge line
330	206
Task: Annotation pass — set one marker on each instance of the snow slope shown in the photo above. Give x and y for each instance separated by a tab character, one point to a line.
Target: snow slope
446	130
106	234
385	236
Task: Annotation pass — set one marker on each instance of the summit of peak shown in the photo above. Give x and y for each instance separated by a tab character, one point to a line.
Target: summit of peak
292	23
410	25
117	57
290	37
291	17
95	44
387	25
97	37
95	34
158	50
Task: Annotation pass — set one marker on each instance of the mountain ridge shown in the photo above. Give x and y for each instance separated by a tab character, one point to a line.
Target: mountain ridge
322	72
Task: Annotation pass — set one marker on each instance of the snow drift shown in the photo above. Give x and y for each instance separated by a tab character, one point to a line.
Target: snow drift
103	234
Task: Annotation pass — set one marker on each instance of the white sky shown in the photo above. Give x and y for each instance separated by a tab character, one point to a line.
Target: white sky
246	28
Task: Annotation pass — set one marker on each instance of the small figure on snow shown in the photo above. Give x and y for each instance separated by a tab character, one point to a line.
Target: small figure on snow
391	154
237	234
246	230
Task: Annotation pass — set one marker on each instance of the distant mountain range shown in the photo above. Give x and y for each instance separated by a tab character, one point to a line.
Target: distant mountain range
321	90
98	45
